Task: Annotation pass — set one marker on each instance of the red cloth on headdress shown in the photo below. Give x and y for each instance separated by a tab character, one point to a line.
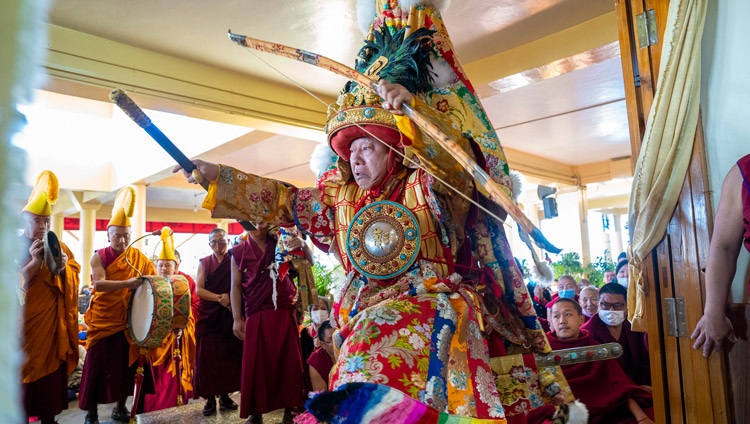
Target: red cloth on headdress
341	141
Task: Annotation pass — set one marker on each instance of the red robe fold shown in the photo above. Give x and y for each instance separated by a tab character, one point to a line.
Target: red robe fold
634	360
218	360
272	375
744	165
602	385
322	362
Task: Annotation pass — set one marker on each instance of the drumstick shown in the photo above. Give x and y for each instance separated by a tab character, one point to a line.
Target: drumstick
124	102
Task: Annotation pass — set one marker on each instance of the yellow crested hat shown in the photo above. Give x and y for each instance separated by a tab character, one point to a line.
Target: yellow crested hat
44	195
123	208
167	245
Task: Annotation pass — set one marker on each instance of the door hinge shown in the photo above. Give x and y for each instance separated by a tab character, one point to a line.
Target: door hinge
674	313
637	80
645	24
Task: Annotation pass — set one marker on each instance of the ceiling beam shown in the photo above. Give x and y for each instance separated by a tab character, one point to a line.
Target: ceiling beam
547	170
550	171
613	204
176	85
583	37
598	172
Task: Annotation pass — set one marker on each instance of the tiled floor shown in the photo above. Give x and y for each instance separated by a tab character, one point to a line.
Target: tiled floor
186	414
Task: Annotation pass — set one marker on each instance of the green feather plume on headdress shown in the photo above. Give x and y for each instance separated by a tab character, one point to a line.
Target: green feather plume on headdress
398	59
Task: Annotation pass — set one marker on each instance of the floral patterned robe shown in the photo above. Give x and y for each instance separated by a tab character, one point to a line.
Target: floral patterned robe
417	332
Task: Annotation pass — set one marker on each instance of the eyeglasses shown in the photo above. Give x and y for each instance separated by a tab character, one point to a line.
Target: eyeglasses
611	306
219	241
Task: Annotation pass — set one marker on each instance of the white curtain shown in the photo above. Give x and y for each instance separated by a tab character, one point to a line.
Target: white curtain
667	144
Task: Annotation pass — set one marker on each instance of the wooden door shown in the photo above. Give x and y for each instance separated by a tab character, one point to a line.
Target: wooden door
687	388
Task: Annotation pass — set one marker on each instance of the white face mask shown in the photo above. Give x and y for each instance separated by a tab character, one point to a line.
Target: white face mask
623	281
612	318
319	316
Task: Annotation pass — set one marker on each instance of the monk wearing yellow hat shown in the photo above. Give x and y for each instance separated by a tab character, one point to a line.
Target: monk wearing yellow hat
163	365
50	315
109	370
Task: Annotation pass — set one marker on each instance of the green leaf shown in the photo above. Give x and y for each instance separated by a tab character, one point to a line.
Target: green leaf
324	277
395	361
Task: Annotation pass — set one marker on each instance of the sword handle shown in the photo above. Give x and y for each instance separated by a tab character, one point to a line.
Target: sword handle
579	355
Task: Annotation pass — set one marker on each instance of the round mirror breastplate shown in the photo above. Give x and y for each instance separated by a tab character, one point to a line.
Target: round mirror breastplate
383	240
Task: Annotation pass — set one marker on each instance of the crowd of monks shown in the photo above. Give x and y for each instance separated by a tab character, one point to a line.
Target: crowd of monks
231	338
241	332
433	323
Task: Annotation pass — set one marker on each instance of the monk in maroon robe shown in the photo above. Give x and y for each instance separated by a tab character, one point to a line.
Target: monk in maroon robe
218	361
609	325
322	359
589	301
608	393
272	374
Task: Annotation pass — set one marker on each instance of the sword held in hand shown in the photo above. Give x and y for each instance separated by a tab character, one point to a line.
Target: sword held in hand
134	112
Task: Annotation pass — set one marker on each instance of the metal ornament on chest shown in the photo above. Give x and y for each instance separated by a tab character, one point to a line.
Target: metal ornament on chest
383	240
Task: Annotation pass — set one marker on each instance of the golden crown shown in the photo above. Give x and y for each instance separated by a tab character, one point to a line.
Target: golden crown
358	107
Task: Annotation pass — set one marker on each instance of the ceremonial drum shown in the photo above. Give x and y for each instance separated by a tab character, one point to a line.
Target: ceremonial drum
181	301
151	311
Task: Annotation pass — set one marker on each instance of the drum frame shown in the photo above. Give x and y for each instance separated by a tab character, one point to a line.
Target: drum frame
162	311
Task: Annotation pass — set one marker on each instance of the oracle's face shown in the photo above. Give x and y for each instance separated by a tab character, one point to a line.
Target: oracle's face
369	162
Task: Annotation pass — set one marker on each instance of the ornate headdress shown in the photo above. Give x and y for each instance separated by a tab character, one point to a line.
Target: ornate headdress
123	208
44	195
167	245
395	54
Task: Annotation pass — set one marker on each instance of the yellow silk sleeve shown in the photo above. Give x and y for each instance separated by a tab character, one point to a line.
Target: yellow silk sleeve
210	201
405	125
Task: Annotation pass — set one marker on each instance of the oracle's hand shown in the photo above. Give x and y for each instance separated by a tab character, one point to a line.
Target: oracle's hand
558	399
206	171
293	244
393	96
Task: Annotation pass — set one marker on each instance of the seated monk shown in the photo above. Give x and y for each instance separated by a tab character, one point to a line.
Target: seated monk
618	399
610	325
589	301
322	359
